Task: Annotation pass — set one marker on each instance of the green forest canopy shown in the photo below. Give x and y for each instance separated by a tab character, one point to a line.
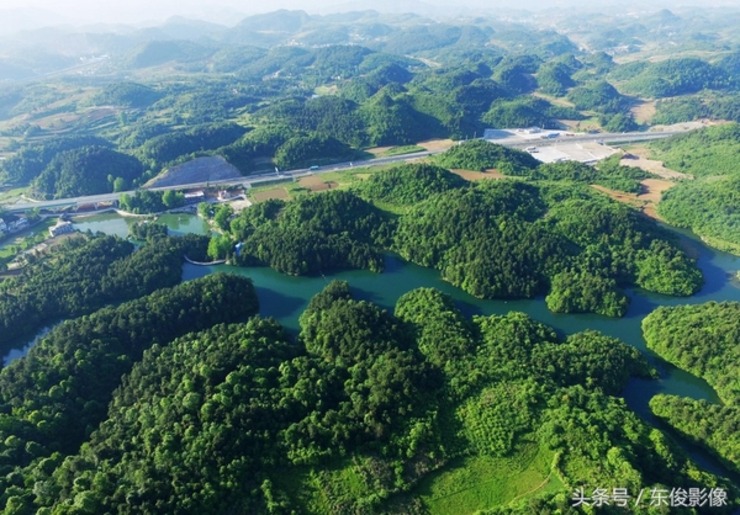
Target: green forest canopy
708	205
494	239
245	417
702	339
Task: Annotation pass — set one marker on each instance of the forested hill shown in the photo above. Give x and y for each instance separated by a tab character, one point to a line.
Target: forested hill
323	89
52	399
352	416
703	340
152	395
82	275
709	204
494	239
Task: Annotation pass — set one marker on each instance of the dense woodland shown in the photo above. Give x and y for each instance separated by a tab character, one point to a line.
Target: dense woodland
319	233
51	400
220	419
702	339
84	274
494	239
710	204
149	396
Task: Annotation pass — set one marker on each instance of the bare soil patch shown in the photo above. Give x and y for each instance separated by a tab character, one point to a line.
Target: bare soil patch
644	111
650	165
316	183
647	201
274	193
470	175
620	196
436	145
654	188
240	205
200	169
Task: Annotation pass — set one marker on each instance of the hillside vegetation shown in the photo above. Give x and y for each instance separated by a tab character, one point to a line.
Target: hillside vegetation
145	393
320	90
354	415
702	339
493	239
84	274
710	204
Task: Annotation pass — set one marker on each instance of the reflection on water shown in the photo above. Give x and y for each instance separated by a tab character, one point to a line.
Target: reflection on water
284	298
19	353
113	224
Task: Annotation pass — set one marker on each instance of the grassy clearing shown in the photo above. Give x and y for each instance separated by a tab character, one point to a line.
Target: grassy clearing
316	183
406	149
644	111
353	176
393	209
558	101
479	482
263	195
472	175
329	89
324	491
12	194
341	179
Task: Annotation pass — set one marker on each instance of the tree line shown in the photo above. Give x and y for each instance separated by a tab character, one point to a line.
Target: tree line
83	274
215	419
701	339
494	239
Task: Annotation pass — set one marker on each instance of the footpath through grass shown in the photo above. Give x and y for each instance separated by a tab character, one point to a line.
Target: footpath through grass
479	482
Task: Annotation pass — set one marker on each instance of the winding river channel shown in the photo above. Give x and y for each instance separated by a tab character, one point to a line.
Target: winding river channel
285	297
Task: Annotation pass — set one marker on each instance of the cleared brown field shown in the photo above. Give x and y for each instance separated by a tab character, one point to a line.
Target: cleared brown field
654	189
470	175
647	201
650	165
316	183
621	196
434	145
273	193
644	111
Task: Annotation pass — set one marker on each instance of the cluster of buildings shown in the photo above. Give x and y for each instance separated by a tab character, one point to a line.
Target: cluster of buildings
553	146
13	226
61	227
20	223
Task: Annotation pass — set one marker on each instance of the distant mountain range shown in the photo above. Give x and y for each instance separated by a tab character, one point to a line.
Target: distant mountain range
400	27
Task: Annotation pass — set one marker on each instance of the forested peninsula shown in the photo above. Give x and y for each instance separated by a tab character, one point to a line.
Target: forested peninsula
494	239
294	359
349	416
702	339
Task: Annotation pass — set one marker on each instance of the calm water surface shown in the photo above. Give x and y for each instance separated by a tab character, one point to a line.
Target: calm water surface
285	297
113	224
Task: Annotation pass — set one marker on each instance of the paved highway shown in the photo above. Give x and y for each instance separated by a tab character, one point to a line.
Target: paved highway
255	180
606	138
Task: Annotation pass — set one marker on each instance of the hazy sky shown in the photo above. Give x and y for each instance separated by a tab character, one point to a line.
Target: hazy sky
227	11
